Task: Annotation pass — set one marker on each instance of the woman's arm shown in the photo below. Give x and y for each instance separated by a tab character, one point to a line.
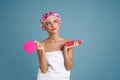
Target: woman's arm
68	58
42	57
68	50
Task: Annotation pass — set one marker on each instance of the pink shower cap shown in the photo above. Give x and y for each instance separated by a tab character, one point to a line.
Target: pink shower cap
46	16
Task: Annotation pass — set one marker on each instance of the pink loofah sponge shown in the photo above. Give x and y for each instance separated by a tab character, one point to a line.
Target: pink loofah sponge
29	46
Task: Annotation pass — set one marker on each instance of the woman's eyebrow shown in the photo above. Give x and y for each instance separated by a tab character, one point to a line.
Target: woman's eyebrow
47	22
55	20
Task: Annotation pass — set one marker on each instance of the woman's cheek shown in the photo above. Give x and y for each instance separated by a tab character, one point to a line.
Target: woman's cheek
46	28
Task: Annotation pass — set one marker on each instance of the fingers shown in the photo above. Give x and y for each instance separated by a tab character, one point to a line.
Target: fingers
39	45
35	41
40	48
74	44
69	46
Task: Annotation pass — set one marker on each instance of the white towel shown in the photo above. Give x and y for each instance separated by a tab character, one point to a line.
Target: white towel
56	68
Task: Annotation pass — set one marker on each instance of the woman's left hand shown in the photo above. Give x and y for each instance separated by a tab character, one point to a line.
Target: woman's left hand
71	47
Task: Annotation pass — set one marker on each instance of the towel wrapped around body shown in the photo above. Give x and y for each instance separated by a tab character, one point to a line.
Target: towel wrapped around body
56	68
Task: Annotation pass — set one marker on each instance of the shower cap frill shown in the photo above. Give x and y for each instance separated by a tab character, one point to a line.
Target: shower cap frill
46	16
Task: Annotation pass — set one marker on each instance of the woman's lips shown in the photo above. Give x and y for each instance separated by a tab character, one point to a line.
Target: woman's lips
53	29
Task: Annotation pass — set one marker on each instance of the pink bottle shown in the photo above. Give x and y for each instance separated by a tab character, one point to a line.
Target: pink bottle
70	43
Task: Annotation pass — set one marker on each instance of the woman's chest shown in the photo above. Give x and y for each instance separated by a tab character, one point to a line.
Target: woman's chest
53	46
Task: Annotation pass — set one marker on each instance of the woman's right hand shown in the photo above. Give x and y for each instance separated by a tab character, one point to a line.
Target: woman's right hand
39	46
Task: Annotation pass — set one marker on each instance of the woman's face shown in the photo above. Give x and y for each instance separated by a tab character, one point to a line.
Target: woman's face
52	25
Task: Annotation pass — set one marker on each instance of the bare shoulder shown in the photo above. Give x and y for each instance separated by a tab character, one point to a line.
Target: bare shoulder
66	39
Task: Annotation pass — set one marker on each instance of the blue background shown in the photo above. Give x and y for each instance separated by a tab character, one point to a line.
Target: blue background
96	22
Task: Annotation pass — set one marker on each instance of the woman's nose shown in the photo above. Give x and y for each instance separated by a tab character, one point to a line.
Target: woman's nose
52	25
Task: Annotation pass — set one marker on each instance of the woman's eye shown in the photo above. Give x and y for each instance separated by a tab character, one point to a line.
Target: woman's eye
47	24
55	21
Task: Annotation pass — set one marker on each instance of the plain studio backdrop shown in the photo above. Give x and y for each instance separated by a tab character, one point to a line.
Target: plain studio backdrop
96	22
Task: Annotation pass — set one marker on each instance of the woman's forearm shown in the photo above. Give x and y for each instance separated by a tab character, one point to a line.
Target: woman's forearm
68	59
42	61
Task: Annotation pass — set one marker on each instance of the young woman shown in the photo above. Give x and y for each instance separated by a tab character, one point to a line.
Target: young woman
55	59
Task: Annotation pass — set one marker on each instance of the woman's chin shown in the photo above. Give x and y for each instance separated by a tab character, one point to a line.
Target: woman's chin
53	32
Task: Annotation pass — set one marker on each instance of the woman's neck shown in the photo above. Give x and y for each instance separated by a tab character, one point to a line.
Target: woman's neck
54	37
